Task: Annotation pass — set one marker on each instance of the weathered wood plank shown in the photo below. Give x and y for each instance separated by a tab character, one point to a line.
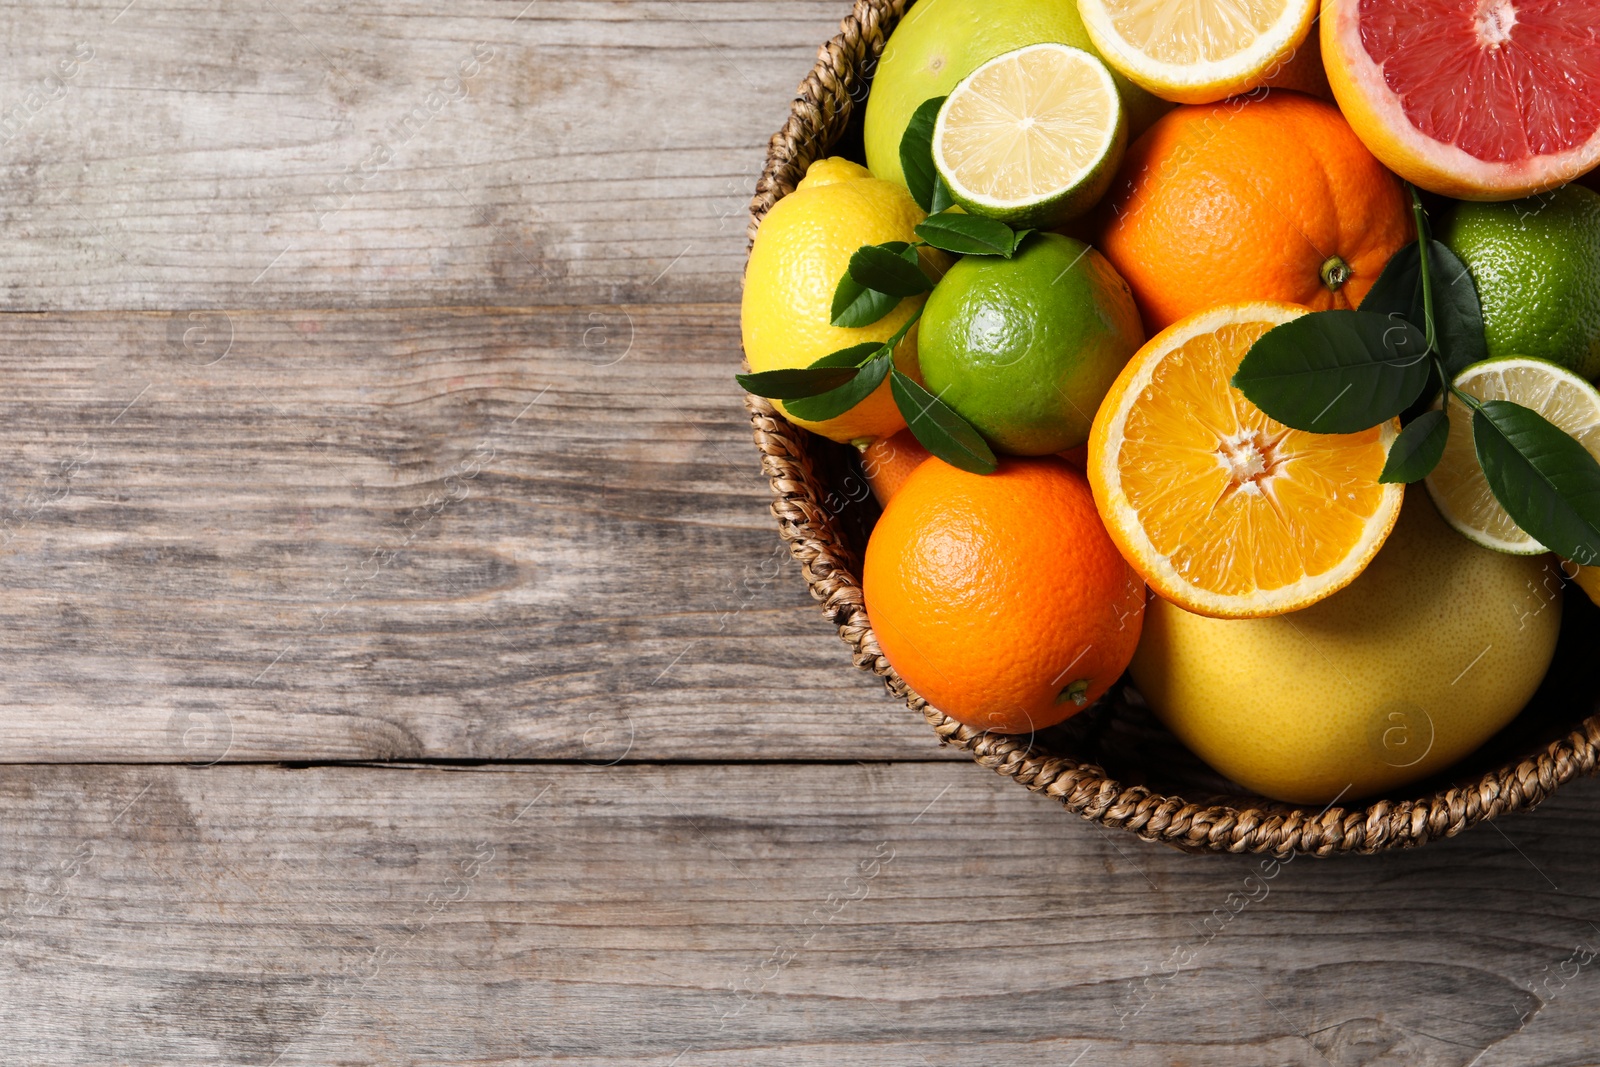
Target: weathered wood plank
522	534
314	154
876	914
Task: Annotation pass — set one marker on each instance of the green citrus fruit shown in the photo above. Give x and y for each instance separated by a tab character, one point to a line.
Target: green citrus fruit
1536	263
942	41
1031	137
1025	348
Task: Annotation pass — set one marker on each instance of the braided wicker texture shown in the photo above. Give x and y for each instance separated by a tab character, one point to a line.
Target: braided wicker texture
808	507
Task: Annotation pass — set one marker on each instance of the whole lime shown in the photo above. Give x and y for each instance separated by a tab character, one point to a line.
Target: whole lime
942	41
1025	348
1536	263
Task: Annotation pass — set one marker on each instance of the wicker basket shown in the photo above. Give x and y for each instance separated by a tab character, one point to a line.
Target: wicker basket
1114	764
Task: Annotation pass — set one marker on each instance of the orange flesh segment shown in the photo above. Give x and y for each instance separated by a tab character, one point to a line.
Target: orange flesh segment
1236	501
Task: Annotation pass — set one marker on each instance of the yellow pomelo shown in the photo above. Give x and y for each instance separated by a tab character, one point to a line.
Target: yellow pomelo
801	251
940	42
1436	646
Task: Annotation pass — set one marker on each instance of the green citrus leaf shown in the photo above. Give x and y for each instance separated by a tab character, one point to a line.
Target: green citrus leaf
836	402
1547	482
969	235
872	357
939	429
892	268
1335	371
1457	314
1398	290
855	355
1417	450
942	200
795	383
916	154
855	305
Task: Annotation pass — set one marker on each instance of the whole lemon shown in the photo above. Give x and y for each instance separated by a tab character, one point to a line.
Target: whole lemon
1436	646
942	41
801	251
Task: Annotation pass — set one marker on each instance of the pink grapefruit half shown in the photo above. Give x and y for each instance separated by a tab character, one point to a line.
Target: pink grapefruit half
1475	99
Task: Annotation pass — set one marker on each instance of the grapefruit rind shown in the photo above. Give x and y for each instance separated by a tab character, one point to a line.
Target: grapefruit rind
1378	118
1127	527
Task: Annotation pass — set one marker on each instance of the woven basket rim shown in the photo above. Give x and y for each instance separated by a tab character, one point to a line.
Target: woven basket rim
821	108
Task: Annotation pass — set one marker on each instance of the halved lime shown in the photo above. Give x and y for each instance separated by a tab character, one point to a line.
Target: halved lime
1032	137
1457	484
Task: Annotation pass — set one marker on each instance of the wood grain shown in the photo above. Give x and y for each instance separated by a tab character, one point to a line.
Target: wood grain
304	153
367	396
874	914
535	533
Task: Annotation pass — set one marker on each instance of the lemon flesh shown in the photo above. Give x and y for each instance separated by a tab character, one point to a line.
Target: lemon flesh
1198	51
1032	137
1457	483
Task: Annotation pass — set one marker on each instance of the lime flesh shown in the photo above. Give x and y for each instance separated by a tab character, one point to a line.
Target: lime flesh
942	41
1457	484
1032	137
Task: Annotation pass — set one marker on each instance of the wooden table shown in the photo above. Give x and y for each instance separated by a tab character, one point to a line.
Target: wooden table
401	666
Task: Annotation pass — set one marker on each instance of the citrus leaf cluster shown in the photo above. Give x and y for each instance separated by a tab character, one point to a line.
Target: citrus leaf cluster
877	279
1417	329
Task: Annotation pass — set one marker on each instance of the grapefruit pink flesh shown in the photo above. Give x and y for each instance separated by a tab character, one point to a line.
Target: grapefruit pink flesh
1533	77
1483	99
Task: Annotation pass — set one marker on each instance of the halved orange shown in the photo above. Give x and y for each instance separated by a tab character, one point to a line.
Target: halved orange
1224	511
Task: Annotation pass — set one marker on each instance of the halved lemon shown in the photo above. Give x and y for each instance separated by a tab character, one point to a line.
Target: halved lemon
1224	511
1198	51
1033	137
1457	483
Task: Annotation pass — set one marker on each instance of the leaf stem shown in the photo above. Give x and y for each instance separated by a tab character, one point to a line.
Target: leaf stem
1466	398
1422	262
1423	241
905	327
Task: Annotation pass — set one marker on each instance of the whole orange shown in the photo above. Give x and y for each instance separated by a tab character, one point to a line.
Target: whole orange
1265	198
889	461
1000	598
